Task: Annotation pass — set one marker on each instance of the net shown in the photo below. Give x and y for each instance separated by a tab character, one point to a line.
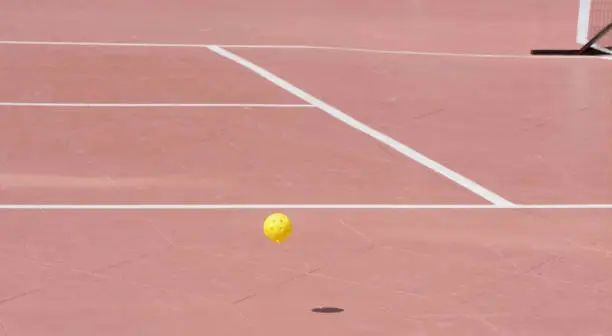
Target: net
595	24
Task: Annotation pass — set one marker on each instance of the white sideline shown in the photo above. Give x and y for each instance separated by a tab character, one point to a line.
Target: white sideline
58	104
180	207
381	137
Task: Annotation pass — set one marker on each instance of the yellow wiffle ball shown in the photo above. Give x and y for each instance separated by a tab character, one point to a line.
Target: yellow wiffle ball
278	227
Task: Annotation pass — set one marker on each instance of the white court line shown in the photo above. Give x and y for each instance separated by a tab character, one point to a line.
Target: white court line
18	104
350	121
61	207
411	52
264	46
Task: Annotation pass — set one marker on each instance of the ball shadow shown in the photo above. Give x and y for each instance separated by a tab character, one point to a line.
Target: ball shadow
327	310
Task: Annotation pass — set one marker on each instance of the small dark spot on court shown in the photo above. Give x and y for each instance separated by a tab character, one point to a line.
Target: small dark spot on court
327	310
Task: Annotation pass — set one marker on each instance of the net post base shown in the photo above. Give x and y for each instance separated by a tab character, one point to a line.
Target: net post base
588	49
568	52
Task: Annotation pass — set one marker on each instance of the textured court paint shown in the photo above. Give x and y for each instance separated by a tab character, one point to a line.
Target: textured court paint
383	138
182	207
311	47
58	104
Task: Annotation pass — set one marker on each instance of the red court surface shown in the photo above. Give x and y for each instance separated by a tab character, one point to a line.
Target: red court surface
409	272
536	131
132	220
135	75
474	26
226	155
